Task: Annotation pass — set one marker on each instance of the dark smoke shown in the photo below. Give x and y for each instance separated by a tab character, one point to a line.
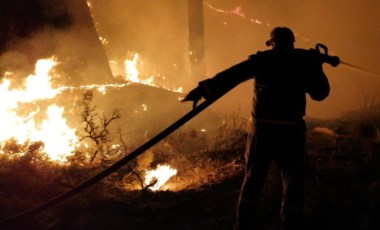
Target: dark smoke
21	18
36	29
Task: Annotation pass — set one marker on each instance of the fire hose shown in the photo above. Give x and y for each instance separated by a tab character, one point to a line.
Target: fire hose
323	57
64	196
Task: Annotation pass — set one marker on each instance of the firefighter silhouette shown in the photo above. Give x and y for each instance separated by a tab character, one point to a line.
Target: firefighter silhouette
283	75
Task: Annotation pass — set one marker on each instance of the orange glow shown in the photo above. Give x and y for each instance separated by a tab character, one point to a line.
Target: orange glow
59	139
236	11
162	174
26	121
131	73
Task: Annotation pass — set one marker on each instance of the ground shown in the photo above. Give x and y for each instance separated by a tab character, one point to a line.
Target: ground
336	199
342	190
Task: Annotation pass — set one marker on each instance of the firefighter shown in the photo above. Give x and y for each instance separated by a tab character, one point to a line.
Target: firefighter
283	75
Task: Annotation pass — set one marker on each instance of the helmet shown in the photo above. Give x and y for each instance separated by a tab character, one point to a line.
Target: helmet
281	36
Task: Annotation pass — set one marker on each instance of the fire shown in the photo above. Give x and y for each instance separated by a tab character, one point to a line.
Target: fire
131	73
131	69
59	139
237	11
27	116
162	174
102	88
21	114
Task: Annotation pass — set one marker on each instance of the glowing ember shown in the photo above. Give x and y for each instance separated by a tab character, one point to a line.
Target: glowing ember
104	41
162	174
89	4
20	112
145	107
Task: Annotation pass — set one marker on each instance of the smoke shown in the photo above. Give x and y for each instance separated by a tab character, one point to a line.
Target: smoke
36	29
21	30
348	28
156	30
159	32
21	18
233	30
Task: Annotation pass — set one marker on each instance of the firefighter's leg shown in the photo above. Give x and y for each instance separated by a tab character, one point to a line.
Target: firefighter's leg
258	165
292	172
292	203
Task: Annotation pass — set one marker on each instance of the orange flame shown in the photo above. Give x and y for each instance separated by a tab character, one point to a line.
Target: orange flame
59	139
237	11
131	73
162	174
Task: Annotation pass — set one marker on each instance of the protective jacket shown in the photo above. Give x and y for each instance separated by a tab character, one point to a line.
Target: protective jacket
282	79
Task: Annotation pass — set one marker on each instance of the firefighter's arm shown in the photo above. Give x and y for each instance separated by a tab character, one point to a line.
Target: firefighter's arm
318	86
220	83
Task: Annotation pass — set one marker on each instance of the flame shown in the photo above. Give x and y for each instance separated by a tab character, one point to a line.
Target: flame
131	70
59	139
131	73
26	121
238	11
102	88
162	174
36	87
19	112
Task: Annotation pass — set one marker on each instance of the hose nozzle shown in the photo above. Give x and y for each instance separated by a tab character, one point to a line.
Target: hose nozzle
325	57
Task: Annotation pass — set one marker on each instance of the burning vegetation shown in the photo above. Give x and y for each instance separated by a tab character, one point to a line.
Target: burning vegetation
34	113
58	143
59	136
74	103
28	119
203	177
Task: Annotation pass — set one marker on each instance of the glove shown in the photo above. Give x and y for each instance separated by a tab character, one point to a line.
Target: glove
194	95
